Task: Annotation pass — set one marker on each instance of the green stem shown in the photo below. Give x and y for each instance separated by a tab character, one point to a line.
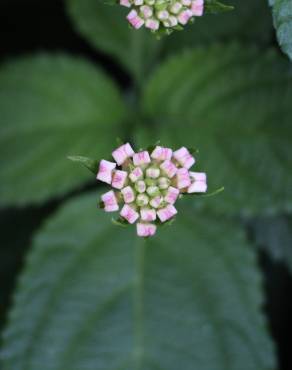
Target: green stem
139	304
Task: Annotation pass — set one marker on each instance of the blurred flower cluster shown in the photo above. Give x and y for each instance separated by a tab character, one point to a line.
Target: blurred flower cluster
157	14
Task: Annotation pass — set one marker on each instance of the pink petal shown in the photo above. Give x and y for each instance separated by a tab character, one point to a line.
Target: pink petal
110	201
199	184
105	171
119	179
145	230
141	158
129	214
148	214
184	16
152	24
198	8
198	187
166	213
155	202
171	195
161	153
198	176
136	174
125	3
136	21
122	153
128	194
183	178
169	168
184	157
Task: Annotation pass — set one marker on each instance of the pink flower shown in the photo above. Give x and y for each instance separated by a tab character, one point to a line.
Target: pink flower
128	194
198	7
169	168
185	16
121	154
125	3
136	174
110	202
119	179
166	213
146	230
161	154
134	19
141	158
184	157
183	178
148	214
129	214
105	171
171	195
157	14
199	182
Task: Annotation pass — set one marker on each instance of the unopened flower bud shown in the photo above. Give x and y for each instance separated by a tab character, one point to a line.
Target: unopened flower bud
156	201
140	186
153	191
153	172
176	8
163	182
142	200
153	24
136	174
170	22
162	15
146	11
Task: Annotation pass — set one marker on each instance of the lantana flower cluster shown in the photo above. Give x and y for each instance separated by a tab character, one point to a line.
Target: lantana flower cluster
168	14
147	185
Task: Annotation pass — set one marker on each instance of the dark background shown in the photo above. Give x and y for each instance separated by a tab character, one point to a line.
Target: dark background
42	25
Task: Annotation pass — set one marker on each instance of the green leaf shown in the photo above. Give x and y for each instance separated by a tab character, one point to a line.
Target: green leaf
101	298
274	235
282	14
91	164
214	6
51	107
234	105
107	29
